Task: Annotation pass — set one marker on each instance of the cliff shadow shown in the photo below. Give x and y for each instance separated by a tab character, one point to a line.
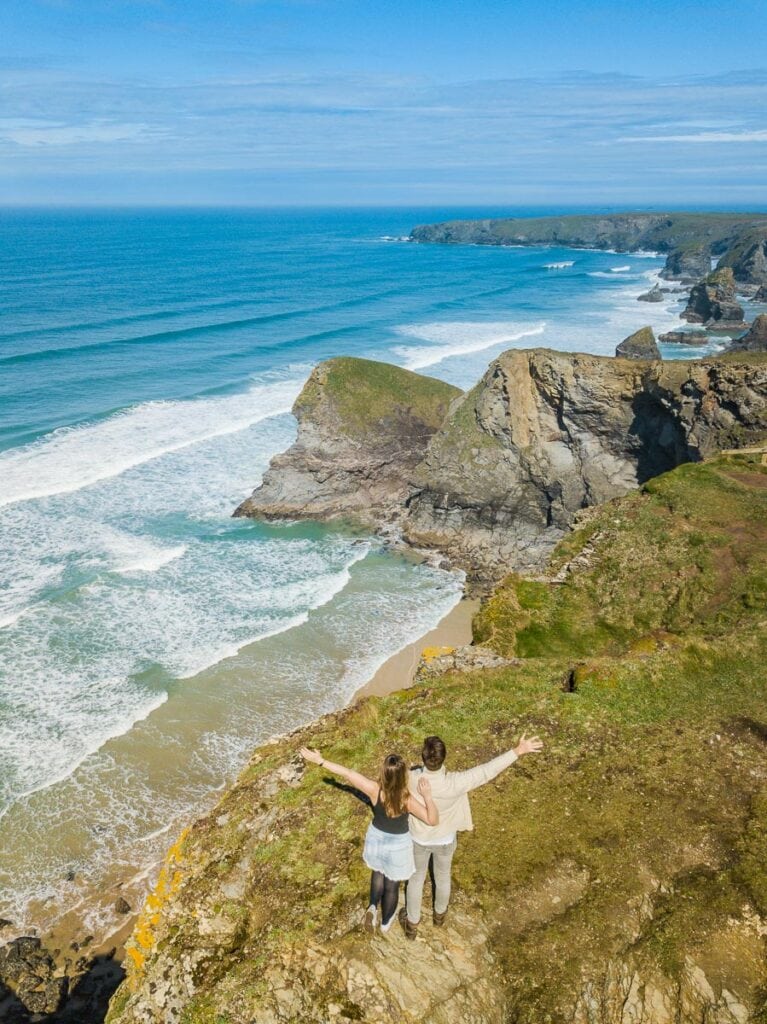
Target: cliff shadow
660	438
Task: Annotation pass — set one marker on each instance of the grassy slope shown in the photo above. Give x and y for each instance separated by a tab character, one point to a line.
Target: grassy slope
641	828
365	393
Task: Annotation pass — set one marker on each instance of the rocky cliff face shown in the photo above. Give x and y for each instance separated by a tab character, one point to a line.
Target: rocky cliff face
542	435
755	338
748	258
545	434
713	302
362	428
687	264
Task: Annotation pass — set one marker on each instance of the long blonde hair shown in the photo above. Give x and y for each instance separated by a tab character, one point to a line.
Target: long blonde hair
393	782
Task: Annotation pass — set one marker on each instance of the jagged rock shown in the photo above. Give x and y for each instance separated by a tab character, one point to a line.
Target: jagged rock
760	295
748	258
362	428
713	301
436	661
681	337
121	906
755	339
655	294
639	345
546	433
28	971
687	264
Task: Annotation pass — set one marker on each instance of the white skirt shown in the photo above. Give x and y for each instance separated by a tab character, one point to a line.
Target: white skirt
390	854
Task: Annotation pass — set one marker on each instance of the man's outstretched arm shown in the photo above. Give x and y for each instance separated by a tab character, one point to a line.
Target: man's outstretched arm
474	777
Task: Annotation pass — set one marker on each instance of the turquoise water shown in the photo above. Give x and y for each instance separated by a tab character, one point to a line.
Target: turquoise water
148	363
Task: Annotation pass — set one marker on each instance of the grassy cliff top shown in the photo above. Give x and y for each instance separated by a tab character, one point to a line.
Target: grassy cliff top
637	837
364	393
623	231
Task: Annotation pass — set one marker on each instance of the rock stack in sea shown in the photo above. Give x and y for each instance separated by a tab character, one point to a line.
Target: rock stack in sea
713	302
639	345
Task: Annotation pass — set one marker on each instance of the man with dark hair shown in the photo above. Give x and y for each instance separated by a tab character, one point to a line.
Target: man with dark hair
437	843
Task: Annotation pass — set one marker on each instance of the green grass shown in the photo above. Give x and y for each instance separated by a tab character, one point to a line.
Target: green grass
650	792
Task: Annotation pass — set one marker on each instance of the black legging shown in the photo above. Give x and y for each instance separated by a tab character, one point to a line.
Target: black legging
386	892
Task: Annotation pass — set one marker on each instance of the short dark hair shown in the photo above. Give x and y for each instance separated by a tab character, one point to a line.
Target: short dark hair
433	753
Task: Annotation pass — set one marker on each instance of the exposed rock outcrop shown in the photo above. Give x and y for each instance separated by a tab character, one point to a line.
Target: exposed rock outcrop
687	264
541	436
654	295
682	337
29	972
713	302
362	428
748	258
755	339
639	345
546	433
761	294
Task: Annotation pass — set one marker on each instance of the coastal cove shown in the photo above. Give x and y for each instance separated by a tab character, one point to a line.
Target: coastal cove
257	628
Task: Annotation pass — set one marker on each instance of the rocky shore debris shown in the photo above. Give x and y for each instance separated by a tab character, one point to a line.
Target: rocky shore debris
30	973
713	302
755	339
639	345
684	337
655	294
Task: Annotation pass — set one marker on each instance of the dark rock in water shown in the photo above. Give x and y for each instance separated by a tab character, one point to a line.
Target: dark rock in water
755	339
639	345
713	300
70	875
761	294
28	971
5	923
654	295
680	337
121	906
687	264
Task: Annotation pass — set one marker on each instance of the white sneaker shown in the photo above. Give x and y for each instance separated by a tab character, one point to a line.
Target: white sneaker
389	923
371	918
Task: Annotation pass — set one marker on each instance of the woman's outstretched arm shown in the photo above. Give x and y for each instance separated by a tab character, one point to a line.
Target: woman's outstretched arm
361	782
426	810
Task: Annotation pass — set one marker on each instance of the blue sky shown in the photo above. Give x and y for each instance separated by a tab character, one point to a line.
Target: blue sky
351	101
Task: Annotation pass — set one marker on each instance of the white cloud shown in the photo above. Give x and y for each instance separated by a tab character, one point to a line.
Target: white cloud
34	133
758	135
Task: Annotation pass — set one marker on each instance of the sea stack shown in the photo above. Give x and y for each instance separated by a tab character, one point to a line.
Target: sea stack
639	345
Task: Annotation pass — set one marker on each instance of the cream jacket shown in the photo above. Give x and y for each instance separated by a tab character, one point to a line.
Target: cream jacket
450	791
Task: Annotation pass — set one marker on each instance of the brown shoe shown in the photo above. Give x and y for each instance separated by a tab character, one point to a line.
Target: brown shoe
410	930
439	919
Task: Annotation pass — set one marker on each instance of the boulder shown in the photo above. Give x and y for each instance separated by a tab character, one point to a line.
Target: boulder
755	339
688	264
713	300
121	906
761	294
682	337
748	258
28	971
655	294
639	345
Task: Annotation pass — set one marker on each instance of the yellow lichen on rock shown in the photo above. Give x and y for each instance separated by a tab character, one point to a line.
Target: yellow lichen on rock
144	934
430	653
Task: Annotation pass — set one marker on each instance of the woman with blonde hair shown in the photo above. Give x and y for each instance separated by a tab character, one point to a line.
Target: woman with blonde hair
388	850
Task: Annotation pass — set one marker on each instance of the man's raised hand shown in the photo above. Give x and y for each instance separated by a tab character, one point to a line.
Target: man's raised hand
528	746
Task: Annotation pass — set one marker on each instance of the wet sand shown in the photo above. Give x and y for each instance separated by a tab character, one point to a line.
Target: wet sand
397	673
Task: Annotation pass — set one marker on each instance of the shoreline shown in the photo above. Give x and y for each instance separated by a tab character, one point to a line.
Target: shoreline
396	673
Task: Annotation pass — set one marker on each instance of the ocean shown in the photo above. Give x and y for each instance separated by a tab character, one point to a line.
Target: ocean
148	364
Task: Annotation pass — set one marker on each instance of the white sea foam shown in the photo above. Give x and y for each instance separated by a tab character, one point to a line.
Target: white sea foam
619	270
75	457
446	340
559	266
609	274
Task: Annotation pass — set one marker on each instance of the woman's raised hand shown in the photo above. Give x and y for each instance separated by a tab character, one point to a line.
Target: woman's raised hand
311	755
424	786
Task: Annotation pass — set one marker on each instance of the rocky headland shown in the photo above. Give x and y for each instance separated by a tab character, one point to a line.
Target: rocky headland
689	240
502	477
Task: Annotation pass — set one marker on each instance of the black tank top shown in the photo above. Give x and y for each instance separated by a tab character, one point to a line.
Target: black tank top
394	826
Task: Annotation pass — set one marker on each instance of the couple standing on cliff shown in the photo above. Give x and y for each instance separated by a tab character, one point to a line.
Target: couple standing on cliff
417	815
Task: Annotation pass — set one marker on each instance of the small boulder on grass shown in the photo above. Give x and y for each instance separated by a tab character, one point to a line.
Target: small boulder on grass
639	345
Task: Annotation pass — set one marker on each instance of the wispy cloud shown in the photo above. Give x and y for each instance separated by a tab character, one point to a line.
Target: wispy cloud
37	133
758	135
